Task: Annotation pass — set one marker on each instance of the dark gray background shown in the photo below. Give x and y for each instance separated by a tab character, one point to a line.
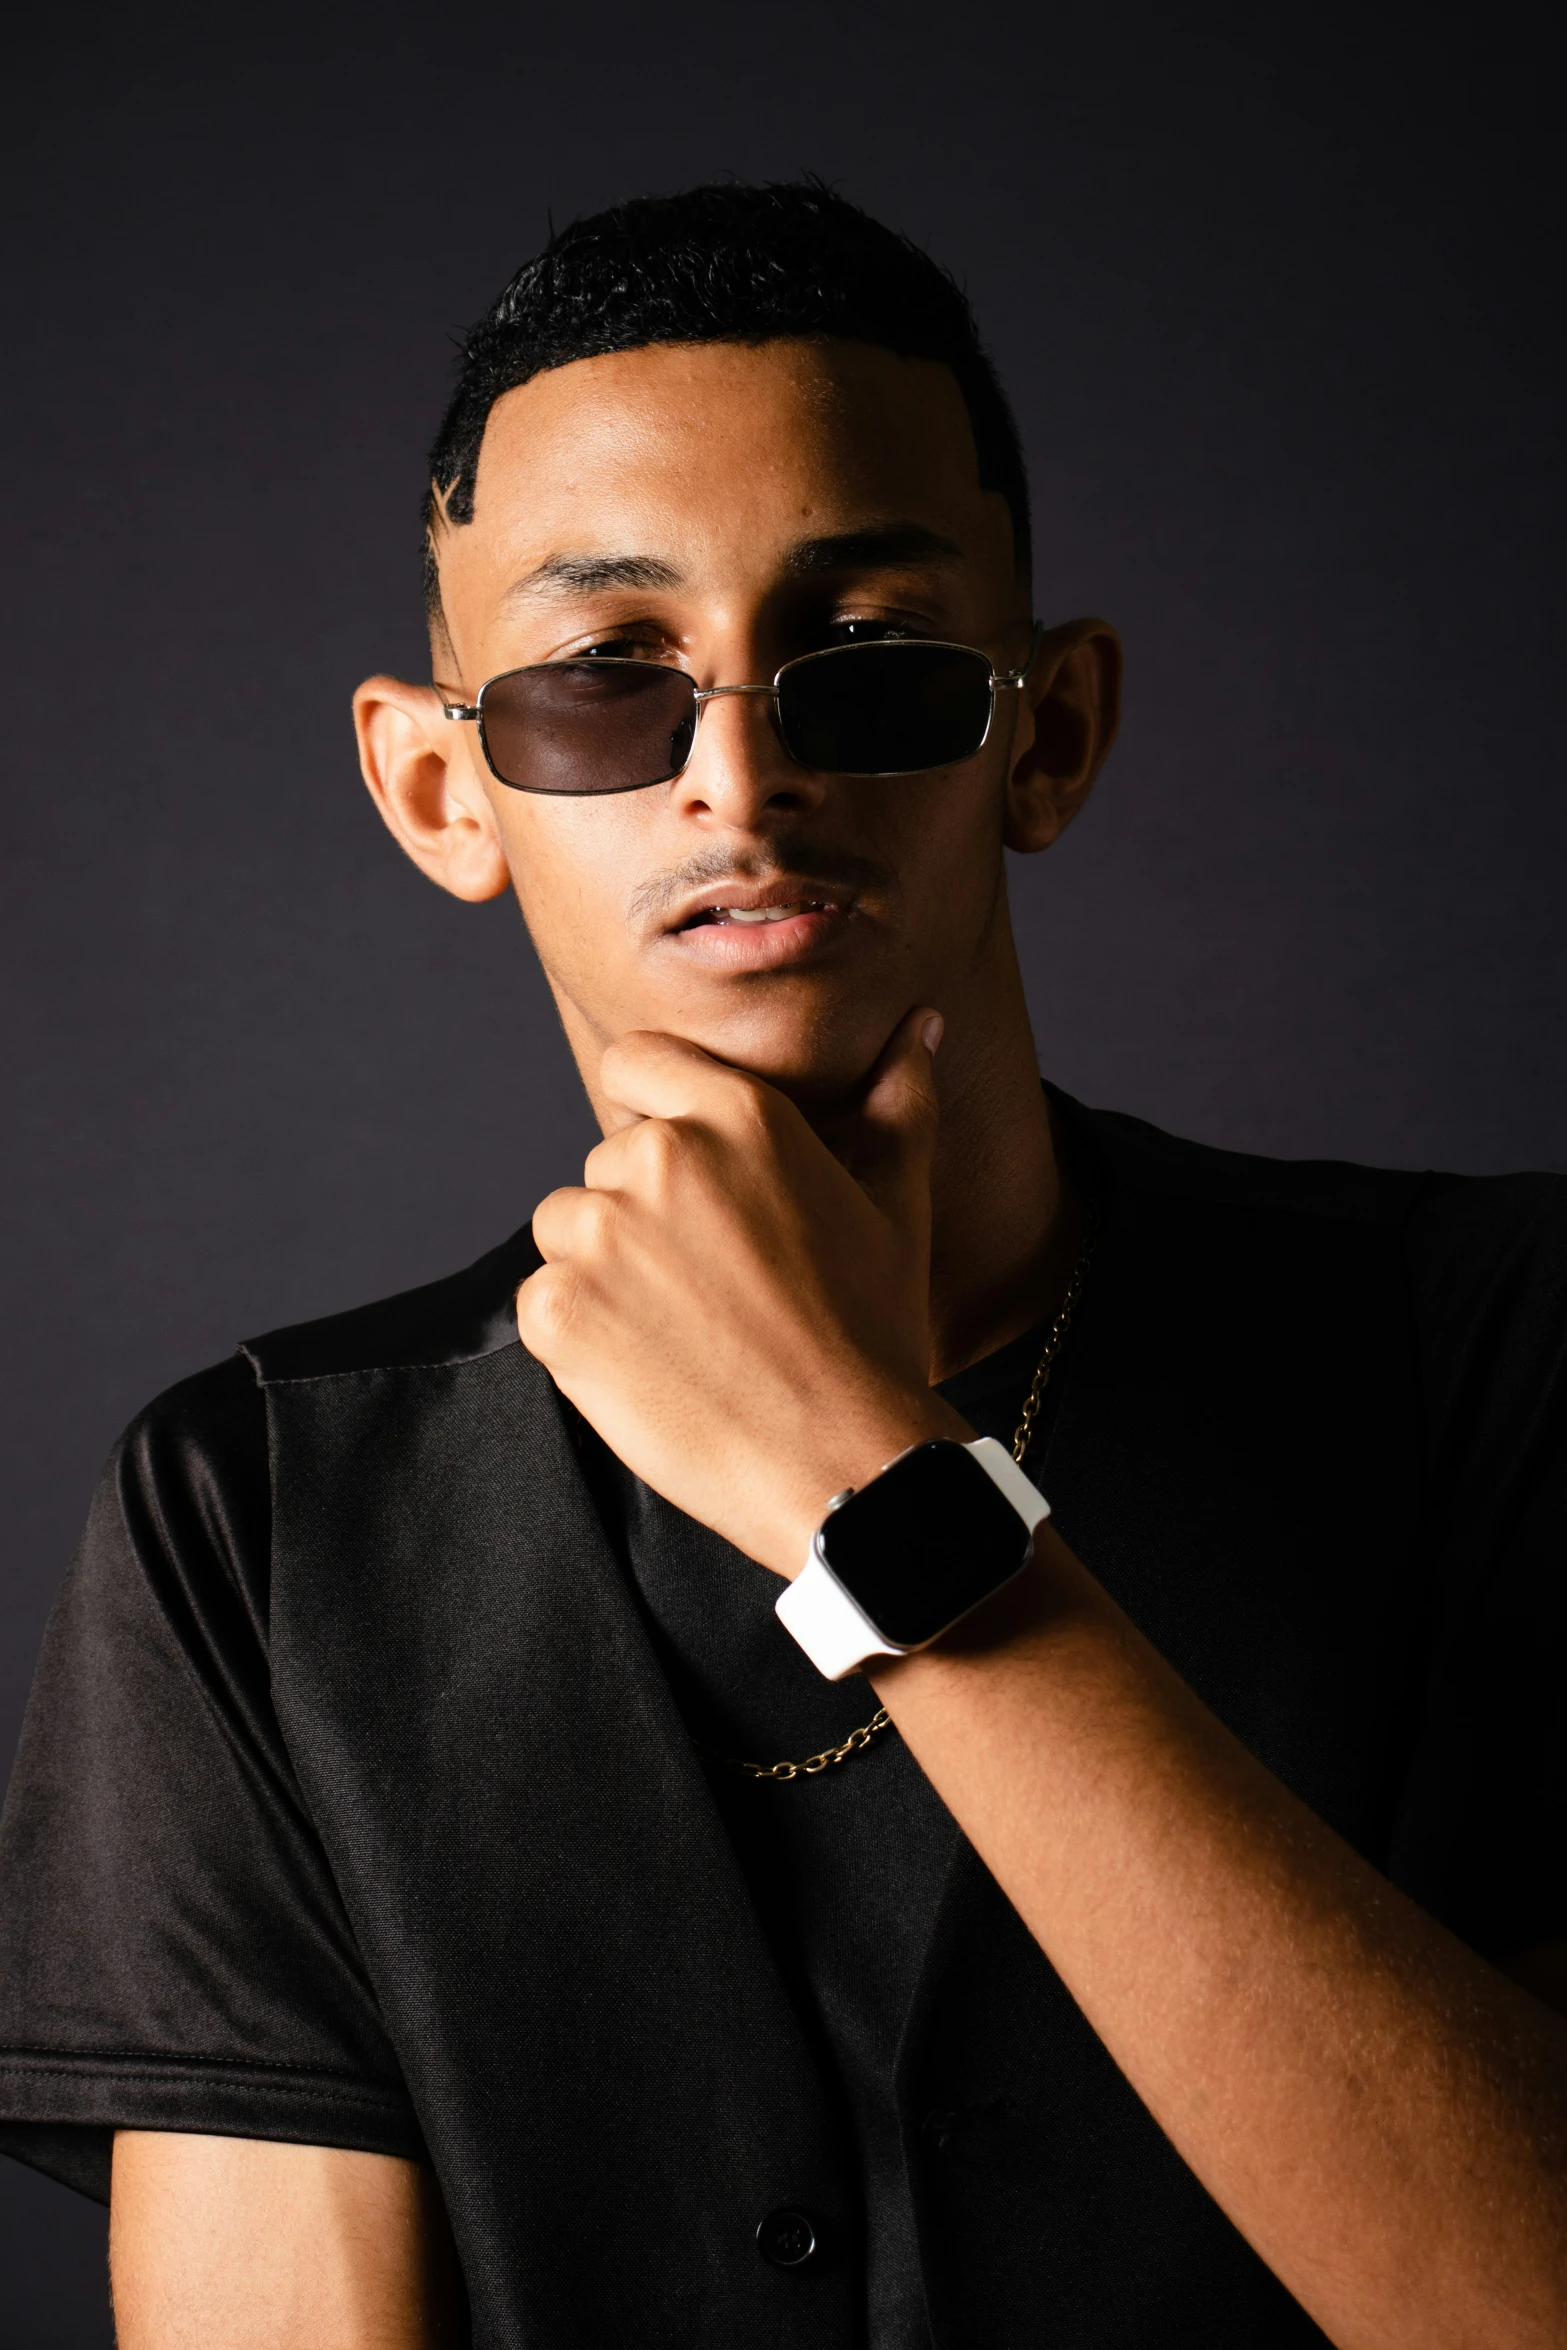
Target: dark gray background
1273	290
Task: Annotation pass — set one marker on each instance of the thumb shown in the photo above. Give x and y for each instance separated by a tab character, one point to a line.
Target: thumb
893	1135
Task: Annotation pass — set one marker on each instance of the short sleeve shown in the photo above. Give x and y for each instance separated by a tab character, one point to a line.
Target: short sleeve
1482	1839
174	1954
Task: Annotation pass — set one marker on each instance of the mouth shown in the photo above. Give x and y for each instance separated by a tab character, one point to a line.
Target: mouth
789	910
741	925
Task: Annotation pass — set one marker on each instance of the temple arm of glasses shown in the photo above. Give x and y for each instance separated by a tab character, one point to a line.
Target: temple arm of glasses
1011	676
459	709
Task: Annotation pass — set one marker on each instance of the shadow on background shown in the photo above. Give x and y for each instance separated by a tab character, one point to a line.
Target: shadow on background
1268	289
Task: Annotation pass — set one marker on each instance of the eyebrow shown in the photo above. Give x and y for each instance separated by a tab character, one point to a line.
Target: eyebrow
881	546
590	575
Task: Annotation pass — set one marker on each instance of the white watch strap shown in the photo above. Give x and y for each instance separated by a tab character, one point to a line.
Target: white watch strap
834	1632
823	1618
1003	1471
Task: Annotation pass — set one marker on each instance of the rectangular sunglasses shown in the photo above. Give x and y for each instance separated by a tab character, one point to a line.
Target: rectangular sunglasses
900	707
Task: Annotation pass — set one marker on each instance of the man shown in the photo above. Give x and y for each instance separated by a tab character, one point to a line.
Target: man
464	1904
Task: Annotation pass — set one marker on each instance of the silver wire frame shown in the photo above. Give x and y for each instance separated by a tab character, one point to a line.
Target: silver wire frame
1001	681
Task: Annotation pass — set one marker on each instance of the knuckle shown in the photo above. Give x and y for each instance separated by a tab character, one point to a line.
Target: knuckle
547	1306
594	1218
598	1168
571	1223
547	1224
760	1103
658	1146
653	1154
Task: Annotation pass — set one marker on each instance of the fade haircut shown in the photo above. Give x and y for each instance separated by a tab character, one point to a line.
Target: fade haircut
727	263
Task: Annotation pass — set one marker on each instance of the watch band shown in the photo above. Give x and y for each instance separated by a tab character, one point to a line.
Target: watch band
834	1631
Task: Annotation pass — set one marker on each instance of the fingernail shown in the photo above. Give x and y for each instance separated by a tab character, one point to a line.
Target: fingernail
931	1032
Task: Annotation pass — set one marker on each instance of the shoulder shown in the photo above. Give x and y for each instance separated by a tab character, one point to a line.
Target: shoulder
1468	1240
1488	1266
202	1445
213	1419
1133	1157
1494	1231
1474	1266
456	1320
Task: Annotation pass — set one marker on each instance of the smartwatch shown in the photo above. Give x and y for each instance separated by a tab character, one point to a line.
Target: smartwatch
893	1566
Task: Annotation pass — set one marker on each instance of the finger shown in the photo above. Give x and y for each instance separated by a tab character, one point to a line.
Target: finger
569	1223
636	1157
656	1076
544	1307
892	1138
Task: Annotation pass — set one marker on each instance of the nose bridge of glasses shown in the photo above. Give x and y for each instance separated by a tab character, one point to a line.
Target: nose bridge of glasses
736	774
714	693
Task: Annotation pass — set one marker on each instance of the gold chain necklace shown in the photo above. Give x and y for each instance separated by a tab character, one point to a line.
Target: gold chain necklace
881	1719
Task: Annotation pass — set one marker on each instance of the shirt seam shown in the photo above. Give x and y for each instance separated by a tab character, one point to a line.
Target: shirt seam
311	2080
265	1380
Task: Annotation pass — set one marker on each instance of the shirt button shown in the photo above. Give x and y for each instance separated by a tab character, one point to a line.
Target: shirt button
787	2239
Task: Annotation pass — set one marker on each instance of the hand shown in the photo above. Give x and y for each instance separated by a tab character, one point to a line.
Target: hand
742	1315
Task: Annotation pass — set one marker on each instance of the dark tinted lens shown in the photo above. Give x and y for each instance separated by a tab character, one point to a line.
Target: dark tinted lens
587	726
884	709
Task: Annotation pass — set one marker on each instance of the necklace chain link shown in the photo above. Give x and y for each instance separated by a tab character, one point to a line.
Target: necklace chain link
1032	1404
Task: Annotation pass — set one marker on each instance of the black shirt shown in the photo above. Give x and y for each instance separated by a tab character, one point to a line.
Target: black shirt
355	1804
845	1868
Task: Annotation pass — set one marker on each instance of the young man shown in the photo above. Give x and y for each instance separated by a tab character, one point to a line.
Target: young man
1124	1940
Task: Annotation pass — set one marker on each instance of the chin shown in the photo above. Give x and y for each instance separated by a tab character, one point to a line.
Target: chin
819	1057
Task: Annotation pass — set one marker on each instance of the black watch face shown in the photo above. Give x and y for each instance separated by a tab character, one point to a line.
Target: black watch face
926	1541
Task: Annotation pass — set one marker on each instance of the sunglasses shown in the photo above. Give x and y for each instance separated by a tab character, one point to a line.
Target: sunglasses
900	707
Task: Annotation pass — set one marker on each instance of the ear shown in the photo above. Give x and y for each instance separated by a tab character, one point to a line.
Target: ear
1073	706
421	776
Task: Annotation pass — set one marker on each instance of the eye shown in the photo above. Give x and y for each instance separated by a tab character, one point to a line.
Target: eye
866	632
619	648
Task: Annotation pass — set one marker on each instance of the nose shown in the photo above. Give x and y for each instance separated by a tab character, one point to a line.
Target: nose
739	775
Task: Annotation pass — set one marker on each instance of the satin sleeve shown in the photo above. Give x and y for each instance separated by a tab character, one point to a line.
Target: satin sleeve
174	1953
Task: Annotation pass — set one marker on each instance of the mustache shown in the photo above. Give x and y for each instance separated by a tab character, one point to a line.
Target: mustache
819	872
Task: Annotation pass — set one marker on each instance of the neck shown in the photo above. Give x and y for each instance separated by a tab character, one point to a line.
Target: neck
1005	1227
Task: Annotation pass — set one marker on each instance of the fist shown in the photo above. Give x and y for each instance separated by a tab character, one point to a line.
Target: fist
739	1311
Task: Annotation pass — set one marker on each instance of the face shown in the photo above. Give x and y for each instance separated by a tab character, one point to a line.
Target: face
726	508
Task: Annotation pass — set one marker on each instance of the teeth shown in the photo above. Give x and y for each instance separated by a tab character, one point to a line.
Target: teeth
758	913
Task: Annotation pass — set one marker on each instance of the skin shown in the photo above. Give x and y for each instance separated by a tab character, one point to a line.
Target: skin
827	1180
237	2244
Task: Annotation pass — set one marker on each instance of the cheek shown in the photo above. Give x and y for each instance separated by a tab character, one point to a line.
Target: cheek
573	864
943	836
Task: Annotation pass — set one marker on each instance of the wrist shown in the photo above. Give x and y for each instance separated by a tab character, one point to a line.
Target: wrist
851	1459
1054	1593
896	1563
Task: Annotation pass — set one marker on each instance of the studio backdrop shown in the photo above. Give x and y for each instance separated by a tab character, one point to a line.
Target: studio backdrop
1274	294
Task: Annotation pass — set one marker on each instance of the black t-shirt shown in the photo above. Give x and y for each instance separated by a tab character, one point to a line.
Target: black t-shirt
846	1867
356	1804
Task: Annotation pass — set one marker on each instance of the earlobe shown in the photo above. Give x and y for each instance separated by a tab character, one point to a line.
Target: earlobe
414	763
1074	697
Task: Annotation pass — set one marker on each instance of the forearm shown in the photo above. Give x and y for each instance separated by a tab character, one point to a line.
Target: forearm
244	2244
1383	2115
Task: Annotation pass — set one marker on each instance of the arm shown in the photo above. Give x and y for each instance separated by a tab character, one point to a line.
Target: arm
241	2244
1383	2115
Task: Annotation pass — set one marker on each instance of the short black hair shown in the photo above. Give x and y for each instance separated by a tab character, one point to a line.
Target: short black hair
731	262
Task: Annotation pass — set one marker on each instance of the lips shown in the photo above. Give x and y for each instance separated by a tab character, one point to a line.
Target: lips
732	901
750	927
789	910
